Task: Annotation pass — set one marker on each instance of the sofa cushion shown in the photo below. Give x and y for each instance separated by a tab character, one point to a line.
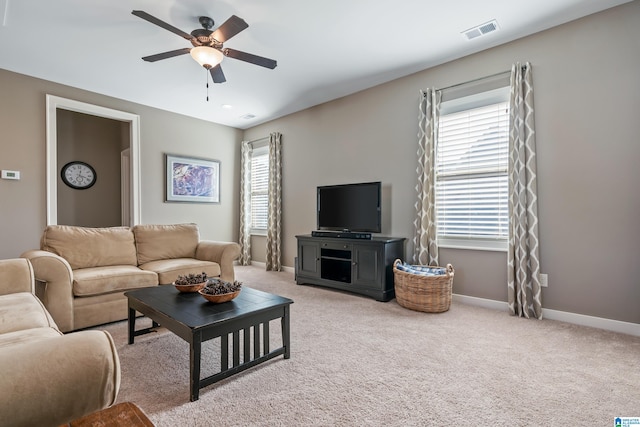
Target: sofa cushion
16	337
85	247
103	280
169	269
21	311
16	275
52	381
156	242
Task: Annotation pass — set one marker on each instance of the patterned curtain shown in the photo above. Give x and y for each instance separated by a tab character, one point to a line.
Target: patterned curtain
245	204
424	240
524	290
274	219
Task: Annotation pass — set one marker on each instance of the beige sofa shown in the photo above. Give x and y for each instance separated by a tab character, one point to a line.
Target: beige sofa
82	273
48	378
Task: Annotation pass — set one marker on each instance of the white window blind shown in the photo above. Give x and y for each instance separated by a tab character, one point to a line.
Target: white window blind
471	177
259	190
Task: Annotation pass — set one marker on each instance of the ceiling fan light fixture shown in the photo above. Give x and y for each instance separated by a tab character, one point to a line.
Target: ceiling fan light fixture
207	56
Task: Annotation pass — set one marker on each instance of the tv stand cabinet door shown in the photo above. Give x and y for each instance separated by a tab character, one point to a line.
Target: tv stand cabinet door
366	268
308	258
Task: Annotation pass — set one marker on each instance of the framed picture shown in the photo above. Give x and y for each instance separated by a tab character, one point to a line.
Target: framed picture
192	179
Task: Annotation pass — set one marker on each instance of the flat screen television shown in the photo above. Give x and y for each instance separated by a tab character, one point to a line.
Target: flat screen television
350	207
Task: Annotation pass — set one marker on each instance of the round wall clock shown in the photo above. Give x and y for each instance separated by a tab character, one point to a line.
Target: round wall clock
78	175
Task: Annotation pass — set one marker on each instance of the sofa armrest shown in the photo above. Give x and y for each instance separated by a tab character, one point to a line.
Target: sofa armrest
57	276
55	380
224	253
16	275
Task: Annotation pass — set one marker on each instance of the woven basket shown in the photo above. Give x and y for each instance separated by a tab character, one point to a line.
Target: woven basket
219	298
431	294
190	288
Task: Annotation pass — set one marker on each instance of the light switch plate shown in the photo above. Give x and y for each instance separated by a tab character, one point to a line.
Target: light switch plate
544	280
10	174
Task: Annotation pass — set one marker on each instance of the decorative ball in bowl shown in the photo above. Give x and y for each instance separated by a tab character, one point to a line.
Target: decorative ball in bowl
191	282
217	290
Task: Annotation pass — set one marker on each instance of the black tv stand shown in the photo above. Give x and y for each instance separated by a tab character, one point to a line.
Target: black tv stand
342	235
362	266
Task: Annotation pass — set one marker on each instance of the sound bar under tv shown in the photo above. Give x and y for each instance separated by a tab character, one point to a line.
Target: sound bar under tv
342	235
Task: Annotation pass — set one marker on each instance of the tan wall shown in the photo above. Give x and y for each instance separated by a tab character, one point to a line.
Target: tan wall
259	248
587	99
23	145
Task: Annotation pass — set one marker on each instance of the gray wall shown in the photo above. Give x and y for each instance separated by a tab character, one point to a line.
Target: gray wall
587	99
23	143
96	141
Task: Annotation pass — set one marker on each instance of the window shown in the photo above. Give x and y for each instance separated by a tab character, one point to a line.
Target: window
259	190
471	177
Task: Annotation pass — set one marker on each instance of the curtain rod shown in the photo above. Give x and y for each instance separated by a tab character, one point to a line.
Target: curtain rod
266	138
522	67
475	80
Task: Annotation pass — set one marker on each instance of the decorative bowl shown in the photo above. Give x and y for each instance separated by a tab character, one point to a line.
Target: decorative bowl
190	288
220	297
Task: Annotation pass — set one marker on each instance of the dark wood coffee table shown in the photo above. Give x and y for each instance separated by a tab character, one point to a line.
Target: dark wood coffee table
195	320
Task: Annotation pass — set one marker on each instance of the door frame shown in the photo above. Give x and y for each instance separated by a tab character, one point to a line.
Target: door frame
125	187
53	104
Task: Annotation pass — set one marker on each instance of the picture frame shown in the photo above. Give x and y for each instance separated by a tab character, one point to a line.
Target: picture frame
192	179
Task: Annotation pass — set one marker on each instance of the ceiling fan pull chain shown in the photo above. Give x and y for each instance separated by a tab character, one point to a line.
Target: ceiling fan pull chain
207	73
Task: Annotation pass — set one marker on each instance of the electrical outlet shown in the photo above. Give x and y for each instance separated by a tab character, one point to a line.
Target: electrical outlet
544	280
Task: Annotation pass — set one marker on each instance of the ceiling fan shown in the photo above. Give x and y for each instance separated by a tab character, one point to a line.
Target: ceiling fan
208	49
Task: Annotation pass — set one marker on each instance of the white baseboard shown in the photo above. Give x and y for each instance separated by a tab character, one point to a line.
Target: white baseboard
594	322
289	269
562	316
481	302
264	265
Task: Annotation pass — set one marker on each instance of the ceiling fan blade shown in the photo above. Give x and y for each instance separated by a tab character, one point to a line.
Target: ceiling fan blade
165	55
247	57
217	75
162	24
229	28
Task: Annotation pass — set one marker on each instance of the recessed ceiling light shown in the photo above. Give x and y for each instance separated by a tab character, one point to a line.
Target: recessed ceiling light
248	116
227	106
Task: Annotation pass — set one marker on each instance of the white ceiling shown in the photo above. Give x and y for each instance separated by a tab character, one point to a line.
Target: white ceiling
325	49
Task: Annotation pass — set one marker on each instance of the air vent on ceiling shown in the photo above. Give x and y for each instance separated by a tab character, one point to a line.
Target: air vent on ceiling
481	30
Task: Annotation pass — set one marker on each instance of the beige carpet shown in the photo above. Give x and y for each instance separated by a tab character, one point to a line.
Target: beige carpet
359	362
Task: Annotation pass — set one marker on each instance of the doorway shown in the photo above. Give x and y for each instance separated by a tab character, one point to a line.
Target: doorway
132	193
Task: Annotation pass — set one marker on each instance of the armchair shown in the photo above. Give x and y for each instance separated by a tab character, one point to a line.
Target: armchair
48	378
